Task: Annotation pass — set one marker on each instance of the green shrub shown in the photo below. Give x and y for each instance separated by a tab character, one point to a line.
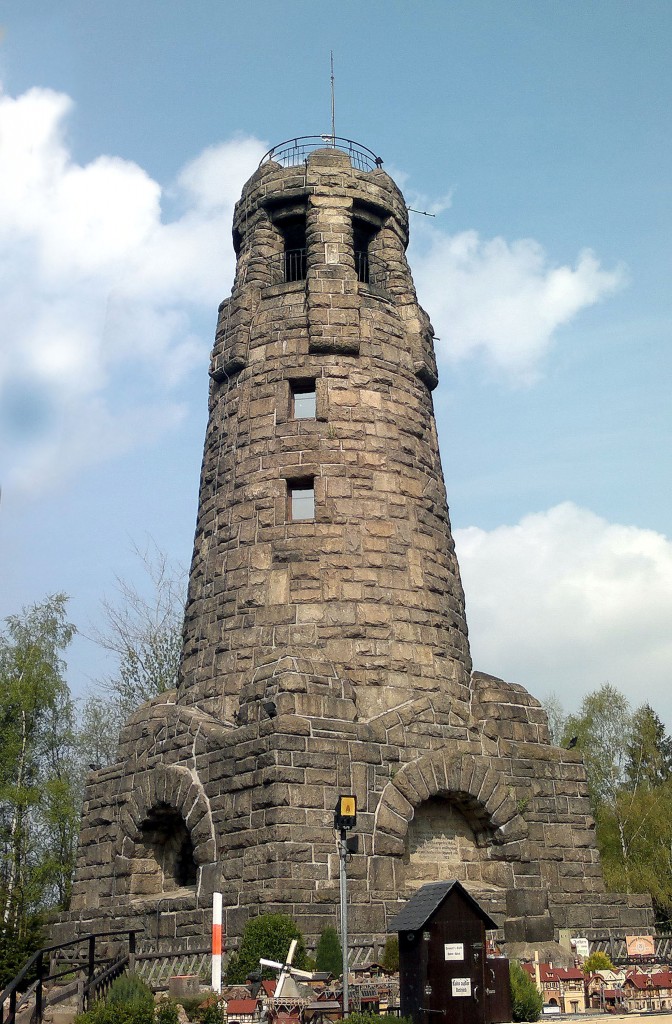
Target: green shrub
329	955
597	961
390	958
129	988
123	1013
191	1004
204	1008
526	1001
269	936
212	1014
166	1013
129	1001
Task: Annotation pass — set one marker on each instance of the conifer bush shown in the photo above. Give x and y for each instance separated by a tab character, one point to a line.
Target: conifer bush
329	955
268	936
526	1001
390	958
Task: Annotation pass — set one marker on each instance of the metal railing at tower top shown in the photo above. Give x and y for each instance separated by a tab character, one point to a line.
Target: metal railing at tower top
292	265
296	151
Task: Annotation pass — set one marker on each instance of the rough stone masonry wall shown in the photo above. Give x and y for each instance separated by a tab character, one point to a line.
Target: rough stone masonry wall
262	807
331	656
373	582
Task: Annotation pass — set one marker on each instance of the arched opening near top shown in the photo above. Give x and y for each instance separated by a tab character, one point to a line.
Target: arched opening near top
289	220
366	224
293	231
362	236
169	848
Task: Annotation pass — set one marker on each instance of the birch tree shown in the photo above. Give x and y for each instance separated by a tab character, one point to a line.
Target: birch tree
628	759
38	812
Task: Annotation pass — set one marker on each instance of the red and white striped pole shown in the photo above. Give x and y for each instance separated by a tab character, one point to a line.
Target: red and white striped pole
217	941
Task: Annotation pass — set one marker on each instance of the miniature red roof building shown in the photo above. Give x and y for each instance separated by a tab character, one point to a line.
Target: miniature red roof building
242	1007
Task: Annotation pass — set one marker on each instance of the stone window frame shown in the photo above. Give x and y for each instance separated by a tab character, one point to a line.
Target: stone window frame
295	484
445	775
307	387
284	398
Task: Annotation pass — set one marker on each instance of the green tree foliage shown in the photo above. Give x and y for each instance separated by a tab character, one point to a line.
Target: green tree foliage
649	751
628	759
526	1001
390	958
635	842
329	955
38	811
597	961
602	730
16	947
268	936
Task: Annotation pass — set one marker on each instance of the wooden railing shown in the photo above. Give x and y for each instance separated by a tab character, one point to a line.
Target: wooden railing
95	976
155	968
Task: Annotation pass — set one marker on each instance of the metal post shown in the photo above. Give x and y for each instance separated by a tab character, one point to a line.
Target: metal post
39	1008
342	852
91	970
131	952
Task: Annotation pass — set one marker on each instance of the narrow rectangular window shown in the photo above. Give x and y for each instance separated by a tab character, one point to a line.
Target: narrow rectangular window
302	399
294	241
362	236
301	500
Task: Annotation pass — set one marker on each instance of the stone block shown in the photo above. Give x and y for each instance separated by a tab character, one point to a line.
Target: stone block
526	902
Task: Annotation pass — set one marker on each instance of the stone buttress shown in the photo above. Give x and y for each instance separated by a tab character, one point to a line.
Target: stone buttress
325	641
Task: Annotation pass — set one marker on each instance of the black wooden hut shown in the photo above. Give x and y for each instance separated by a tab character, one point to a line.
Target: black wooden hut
444	970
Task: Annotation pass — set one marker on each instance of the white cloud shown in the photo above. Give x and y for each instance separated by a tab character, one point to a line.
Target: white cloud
503	300
565	601
96	290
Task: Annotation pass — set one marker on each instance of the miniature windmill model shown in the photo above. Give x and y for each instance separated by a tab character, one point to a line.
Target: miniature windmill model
286	989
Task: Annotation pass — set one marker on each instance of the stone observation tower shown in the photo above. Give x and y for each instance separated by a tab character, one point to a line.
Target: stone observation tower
325	642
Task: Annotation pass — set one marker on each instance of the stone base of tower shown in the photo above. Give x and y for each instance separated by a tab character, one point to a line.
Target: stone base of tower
194	806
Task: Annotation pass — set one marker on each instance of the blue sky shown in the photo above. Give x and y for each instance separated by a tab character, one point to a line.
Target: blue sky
539	134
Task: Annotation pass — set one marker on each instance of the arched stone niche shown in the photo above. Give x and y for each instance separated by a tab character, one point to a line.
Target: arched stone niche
444	840
451	817
167	851
167	829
